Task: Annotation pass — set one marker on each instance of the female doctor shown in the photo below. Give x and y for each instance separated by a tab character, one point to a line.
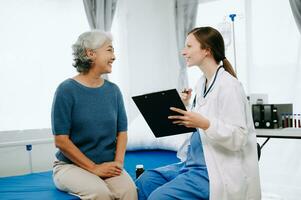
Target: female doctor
219	160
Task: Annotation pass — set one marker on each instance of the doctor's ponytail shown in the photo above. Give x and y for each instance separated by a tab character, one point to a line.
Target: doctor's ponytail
228	67
211	39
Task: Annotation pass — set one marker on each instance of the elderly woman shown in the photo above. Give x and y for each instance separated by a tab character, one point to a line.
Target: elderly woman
89	124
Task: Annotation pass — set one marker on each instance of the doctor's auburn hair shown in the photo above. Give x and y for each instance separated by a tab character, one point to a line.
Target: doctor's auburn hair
212	40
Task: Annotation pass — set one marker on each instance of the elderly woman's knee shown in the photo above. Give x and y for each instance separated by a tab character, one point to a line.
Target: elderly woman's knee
99	192
129	192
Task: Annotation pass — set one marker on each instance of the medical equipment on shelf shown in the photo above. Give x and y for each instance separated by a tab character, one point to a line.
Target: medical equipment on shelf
272	115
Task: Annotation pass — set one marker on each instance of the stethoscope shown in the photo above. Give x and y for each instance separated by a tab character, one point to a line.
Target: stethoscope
211	85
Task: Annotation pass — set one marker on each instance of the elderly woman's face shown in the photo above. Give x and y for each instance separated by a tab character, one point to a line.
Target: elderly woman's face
104	57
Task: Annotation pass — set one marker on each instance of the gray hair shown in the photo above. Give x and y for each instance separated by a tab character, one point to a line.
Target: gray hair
88	40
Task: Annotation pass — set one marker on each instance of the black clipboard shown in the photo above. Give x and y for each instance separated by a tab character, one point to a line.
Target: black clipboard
155	108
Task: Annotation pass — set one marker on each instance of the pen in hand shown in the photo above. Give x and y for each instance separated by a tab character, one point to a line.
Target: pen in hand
186	95
187	91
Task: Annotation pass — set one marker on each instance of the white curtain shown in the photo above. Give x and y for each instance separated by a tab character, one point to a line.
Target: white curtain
146	52
185	17
100	13
296	8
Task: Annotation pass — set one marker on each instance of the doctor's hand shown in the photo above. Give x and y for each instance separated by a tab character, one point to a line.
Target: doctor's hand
107	169
185	96
189	119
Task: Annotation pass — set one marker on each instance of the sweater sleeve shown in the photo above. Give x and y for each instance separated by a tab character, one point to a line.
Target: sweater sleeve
61	111
121	113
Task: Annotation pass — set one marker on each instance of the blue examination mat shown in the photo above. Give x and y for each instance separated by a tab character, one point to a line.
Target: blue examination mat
40	185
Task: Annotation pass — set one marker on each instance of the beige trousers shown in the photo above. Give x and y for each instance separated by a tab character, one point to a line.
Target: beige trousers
77	181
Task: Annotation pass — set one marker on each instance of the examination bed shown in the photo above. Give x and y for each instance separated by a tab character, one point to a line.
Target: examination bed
40	185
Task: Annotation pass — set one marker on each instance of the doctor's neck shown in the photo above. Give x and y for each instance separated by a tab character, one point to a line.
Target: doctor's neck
209	68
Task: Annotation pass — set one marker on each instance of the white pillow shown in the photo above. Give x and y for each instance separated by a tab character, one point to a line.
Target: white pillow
141	137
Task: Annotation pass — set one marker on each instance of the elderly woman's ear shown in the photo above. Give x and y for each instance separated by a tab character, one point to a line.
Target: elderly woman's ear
90	54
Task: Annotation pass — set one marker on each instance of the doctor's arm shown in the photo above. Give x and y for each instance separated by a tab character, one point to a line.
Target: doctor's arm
229	127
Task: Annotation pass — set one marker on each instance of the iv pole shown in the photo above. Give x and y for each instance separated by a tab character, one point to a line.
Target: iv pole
232	16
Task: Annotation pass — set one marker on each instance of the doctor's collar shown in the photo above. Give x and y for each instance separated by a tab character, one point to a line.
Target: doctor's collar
212	82
220	68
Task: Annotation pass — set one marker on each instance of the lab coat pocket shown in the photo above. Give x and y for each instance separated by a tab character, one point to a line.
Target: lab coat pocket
235	182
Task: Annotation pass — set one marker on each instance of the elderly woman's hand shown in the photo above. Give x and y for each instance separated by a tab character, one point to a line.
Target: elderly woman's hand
189	119
107	169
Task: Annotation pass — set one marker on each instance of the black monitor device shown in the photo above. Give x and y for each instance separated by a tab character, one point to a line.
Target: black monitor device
272	115
257	115
155	108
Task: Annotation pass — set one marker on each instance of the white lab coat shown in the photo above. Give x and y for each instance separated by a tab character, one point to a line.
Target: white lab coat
229	143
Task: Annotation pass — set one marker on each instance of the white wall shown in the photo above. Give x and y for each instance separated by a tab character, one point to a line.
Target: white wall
35	54
15	159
